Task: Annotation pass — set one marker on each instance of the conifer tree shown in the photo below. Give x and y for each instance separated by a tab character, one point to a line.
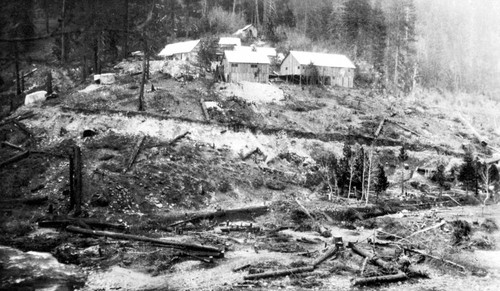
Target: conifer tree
381	182
467	173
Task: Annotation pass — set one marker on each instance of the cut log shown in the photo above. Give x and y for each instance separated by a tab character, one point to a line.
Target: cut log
427	229
436	258
176	139
331	251
323	231
372	258
221	213
245	156
279	273
135	152
28	201
15	158
115	235
8	144
63	223
472	130
381	279
404	127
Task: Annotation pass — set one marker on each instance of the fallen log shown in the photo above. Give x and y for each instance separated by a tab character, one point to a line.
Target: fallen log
28	201
381	279
135	152
379	129
279	273
15	158
372	258
241	228
426	229
436	258
23	128
162	242
321	229
176	139
332	251
8	144
221	213
63	223
245	156
241	267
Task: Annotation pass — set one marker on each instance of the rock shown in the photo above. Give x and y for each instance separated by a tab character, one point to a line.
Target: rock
24	271
107	79
89	133
35	97
275	185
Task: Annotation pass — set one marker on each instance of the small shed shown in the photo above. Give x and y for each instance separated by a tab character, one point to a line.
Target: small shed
247	32
245	66
187	50
333	69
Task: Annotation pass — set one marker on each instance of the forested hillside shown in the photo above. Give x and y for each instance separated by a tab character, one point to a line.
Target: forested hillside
397	45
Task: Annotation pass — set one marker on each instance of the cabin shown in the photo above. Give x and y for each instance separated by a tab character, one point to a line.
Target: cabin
186	51
270	52
332	69
245	66
247	32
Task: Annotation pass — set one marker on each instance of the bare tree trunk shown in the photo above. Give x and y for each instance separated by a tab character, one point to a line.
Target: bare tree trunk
63	36
18	78
403	180
125	24
363	177
143	77
257	18
369	175
234	6
350	181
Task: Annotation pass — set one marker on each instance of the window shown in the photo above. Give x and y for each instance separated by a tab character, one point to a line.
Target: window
234	65
253	66
286	68
298	67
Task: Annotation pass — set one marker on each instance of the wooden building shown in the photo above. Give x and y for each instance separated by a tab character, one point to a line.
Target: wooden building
187	50
332	69
247	32
245	66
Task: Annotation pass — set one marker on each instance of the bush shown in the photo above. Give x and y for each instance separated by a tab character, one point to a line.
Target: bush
220	21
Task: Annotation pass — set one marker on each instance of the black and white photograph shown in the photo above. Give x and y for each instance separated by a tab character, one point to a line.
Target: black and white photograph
233	145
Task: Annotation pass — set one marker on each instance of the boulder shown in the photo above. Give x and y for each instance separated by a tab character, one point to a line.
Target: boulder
35	97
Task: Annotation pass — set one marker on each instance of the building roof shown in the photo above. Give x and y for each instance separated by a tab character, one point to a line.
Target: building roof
230	41
322	59
268	51
246	57
178	48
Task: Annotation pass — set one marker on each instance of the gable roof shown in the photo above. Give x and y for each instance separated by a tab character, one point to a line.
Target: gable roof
178	48
268	51
322	59
230	41
246	57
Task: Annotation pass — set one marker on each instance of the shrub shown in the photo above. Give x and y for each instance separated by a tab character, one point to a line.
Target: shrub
220	21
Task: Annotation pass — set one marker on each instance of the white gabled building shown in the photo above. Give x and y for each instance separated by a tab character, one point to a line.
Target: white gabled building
333	69
187	50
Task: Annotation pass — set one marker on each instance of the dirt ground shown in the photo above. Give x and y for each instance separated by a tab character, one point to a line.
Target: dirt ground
255	149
